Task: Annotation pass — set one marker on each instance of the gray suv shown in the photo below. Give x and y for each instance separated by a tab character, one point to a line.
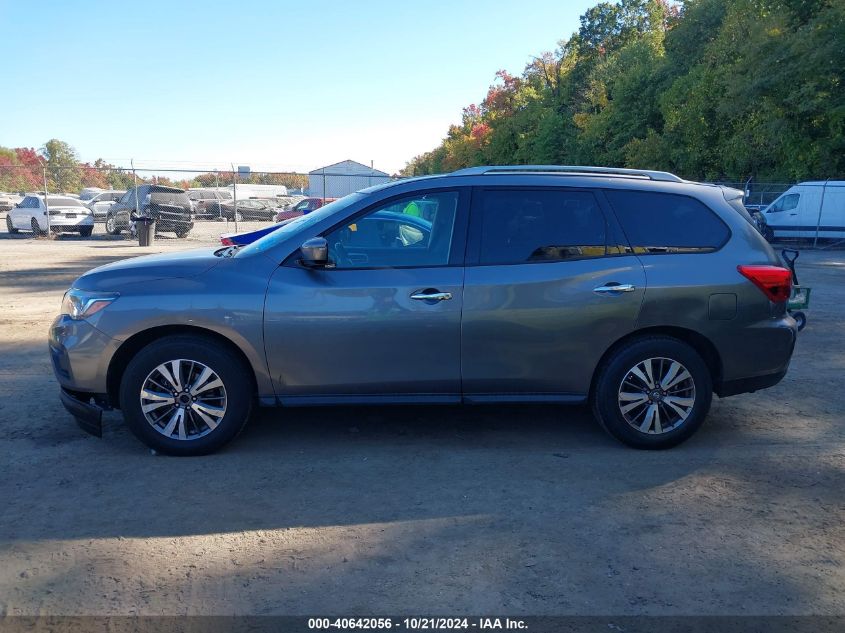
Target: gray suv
634	291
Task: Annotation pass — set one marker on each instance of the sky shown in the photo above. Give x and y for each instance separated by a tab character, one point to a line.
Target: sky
274	85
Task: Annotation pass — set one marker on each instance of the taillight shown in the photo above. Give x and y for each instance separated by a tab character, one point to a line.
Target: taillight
774	281
225	241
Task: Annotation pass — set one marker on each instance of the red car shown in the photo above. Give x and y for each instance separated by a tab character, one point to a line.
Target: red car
302	207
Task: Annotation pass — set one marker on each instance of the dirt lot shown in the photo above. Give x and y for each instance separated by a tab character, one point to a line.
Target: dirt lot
521	510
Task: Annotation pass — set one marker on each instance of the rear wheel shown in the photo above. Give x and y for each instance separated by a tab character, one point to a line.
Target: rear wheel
182	232
9	227
653	393
800	319
111	225
186	395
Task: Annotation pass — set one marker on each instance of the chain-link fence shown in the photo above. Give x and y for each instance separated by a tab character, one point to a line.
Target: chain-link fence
104	198
80	197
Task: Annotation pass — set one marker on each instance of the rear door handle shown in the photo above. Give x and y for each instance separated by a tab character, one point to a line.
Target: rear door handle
431	295
614	288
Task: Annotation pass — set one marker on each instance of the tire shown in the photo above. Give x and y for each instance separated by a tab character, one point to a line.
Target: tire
237	395
36	228
800	319
686	401
86	231
239	217
11	229
182	232
111	225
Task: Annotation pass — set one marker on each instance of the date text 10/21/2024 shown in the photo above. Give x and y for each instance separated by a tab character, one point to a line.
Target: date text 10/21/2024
418	623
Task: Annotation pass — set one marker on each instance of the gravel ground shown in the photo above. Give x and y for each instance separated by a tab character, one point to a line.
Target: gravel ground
447	510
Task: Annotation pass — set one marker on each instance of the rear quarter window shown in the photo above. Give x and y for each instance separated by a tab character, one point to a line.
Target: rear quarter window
664	222
172	198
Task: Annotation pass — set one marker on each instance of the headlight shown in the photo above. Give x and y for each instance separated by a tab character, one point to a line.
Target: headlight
81	304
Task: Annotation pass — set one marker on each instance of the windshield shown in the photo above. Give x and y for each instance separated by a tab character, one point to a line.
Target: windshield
64	202
301	223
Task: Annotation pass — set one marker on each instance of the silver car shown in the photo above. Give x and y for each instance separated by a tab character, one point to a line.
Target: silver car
101	202
635	291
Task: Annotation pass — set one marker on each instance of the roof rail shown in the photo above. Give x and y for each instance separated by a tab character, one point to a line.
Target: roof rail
569	170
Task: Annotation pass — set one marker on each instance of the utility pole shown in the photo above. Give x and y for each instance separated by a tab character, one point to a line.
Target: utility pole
134	187
46	203
235	194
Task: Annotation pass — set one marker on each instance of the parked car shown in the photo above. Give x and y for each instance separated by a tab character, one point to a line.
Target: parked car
250	209
202	198
89	192
248	237
170	207
102	202
302	207
635	291
9	200
808	210
66	215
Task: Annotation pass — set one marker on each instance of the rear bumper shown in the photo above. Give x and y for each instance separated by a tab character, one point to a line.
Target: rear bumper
759	358
71	224
749	385
88	416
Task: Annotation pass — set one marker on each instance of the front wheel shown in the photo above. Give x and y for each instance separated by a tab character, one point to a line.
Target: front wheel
111	225
86	231
186	395
10	227
653	393
36	228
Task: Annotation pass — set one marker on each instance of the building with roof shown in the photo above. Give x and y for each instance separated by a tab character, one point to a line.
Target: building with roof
340	179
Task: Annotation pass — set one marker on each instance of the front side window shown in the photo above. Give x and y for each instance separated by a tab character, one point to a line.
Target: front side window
414	231
786	203
667	223
540	225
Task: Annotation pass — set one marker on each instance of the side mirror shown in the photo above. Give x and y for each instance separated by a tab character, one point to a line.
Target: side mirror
315	252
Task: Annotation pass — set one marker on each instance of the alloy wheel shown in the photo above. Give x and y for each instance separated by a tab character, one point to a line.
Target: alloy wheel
183	399
656	395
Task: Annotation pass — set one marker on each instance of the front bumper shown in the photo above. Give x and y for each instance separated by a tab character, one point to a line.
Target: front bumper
80	354
88	416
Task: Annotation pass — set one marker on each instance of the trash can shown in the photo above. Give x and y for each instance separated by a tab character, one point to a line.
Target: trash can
146	228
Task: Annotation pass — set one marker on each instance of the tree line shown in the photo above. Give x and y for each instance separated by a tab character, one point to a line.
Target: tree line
709	89
22	169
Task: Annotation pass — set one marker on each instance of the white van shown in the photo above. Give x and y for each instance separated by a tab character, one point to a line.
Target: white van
805	206
258	191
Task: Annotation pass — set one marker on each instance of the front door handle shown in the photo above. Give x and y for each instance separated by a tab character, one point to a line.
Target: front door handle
431	295
614	288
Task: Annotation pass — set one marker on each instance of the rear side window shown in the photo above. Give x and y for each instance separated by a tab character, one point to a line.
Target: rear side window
169	197
665	222
540	225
